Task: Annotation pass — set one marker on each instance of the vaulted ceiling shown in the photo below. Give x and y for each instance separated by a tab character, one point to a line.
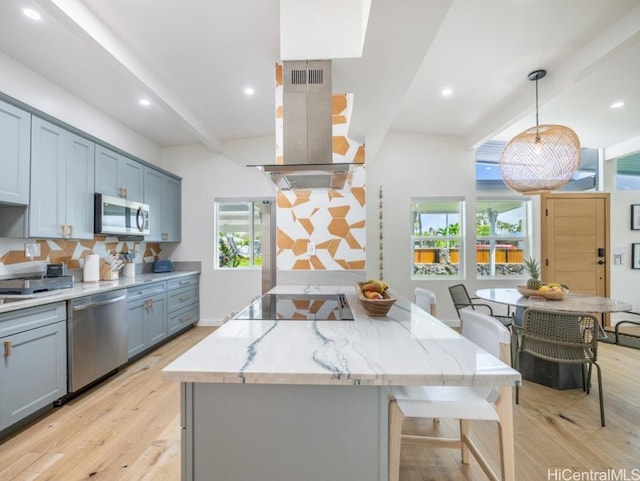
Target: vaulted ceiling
193	58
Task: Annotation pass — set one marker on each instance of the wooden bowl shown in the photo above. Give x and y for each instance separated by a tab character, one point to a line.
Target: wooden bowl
552	296
375	307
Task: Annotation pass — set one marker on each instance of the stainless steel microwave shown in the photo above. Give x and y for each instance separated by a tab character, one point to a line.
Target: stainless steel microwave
116	216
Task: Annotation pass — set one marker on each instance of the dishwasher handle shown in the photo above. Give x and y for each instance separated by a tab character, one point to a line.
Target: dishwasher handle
91	305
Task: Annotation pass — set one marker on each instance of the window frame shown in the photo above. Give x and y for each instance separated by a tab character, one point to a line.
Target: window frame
459	238
254	202
526	238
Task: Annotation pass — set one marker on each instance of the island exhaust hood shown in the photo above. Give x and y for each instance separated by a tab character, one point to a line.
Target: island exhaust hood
307	130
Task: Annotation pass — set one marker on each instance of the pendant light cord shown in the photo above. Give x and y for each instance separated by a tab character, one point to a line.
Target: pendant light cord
537	123
537	75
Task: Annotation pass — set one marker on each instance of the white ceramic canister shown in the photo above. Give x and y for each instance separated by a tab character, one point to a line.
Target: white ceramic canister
130	269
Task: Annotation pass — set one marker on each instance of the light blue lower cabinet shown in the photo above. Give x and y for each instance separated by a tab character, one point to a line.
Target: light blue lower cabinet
183	318
161	309
33	370
146	317
288	432
183	303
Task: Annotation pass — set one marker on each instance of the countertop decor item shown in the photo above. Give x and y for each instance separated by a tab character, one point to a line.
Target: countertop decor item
91	270
375	307
162	266
542	158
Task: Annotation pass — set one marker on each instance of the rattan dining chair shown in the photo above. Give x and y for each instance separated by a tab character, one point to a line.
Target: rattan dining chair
562	337
464	403
461	299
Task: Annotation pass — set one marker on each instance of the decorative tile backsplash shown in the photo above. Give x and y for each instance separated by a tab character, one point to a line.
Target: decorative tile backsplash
70	252
332	222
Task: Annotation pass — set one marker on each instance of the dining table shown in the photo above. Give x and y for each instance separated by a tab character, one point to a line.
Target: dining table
548	373
572	301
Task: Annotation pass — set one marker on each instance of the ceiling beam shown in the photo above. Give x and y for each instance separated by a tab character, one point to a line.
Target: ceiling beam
564	73
81	19
399	35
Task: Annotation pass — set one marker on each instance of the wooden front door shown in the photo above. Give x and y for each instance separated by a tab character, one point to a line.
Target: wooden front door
575	241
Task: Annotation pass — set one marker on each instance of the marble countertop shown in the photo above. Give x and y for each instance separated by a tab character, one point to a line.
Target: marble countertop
408	347
81	289
572	301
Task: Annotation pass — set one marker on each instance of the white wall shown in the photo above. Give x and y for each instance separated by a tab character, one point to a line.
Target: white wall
624	279
205	176
414	165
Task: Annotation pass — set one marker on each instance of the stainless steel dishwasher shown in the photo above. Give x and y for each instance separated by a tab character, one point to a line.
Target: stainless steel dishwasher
97	337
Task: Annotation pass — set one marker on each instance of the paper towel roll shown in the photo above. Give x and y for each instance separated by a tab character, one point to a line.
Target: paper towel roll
91	272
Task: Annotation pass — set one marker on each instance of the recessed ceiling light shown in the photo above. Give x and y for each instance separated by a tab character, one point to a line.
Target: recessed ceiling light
617	105
249	91
446	92
144	102
31	13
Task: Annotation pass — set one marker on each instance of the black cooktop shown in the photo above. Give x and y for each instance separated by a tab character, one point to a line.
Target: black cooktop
299	307
32	284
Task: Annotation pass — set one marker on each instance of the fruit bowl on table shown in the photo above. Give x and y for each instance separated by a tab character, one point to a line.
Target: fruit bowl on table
555	295
375	307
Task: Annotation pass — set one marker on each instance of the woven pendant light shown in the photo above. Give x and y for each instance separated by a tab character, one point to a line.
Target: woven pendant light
542	158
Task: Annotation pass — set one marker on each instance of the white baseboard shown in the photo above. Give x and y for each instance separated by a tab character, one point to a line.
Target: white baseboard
210	322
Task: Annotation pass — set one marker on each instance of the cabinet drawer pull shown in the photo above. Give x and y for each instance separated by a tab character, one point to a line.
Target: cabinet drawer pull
7	348
184	298
70	230
64	230
185	318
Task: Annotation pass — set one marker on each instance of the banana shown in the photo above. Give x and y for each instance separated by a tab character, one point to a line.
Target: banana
374	285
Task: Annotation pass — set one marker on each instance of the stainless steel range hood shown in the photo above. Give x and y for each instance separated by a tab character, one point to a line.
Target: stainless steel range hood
307	130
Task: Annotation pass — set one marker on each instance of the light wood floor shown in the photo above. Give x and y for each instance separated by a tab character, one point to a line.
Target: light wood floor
127	428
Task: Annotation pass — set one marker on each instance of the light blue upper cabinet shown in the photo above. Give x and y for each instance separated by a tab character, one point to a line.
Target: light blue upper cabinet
15	138
163	195
173	210
62	183
118	176
80	186
153	181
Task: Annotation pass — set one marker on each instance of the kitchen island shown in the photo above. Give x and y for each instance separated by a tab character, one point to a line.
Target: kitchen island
288	400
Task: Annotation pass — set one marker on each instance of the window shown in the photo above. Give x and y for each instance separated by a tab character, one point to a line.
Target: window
238	232
628	172
436	238
502	237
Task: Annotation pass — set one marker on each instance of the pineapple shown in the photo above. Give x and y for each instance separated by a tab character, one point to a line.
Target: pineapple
533	267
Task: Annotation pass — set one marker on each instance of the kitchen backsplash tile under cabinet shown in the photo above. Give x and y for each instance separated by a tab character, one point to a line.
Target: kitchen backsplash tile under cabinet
69	252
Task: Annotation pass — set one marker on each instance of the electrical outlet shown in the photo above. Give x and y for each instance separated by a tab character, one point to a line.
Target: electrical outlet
31	249
311	249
